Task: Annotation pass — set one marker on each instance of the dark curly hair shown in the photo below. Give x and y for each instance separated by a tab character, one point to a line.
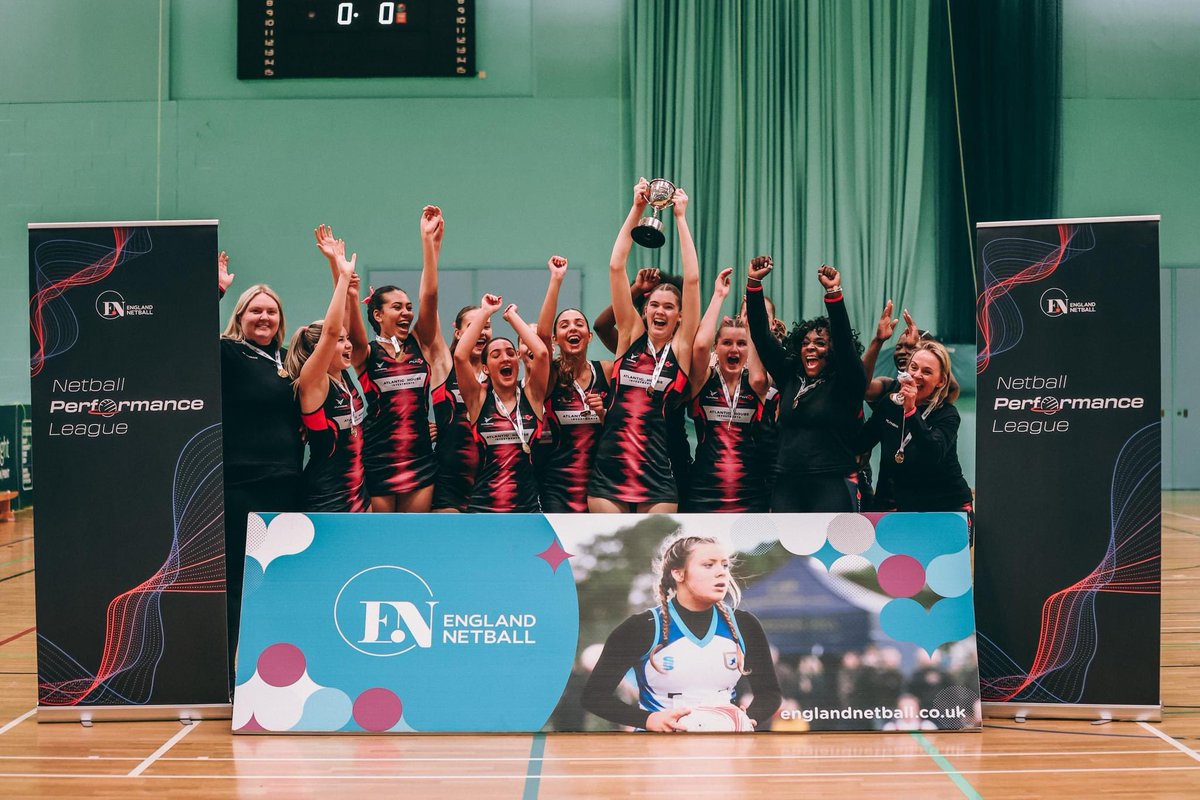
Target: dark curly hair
795	340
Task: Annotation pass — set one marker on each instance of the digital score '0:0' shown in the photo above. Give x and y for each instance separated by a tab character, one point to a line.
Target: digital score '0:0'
280	39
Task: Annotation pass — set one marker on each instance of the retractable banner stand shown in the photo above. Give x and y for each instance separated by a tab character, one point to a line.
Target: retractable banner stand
126	413
357	623
1068	513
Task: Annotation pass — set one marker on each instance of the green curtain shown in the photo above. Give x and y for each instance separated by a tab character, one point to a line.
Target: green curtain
799	130
1002	61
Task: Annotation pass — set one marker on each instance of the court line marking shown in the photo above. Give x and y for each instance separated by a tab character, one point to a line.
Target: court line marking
672	776
16	575
533	772
14	723
167	745
1171	740
962	783
1177	514
14	637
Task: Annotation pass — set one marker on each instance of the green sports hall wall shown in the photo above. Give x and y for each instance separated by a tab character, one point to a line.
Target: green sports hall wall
130	109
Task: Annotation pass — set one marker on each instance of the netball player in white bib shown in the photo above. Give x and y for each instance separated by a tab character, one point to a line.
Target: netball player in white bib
688	652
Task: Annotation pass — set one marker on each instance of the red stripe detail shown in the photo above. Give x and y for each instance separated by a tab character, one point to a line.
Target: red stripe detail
16	636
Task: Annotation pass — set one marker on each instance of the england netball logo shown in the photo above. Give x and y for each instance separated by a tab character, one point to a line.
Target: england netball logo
110	305
1054	302
385	611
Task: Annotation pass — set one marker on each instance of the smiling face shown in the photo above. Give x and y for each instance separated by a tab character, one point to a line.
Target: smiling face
485	336
260	321
571	333
500	362
927	375
661	314
732	347
394	315
704	579
341	359
814	352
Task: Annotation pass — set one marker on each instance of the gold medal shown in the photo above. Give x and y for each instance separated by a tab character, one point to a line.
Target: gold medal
525	447
281	372
650	392
899	456
353	431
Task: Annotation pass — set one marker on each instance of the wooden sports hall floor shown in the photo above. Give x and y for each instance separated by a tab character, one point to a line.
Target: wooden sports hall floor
1034	759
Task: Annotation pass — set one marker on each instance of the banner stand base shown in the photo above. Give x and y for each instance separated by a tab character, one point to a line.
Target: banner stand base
1095	711
87	715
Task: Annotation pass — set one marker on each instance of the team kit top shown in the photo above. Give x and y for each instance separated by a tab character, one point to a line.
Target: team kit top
726	475
457	453
820	417
927	475
333	477
505	481
564	462
260	416
699	665
397	453
632	463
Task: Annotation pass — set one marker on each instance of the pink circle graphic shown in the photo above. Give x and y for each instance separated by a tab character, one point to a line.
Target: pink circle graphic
281	664
901	576
377	709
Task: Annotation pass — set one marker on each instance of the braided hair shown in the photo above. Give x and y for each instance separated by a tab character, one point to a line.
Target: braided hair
674	556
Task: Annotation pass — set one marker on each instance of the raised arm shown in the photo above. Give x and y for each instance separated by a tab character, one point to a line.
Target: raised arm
605	325
706	333
685	337
313	381
883	331
843	352
545	323
537	376
425	327
760	381
468	382
629	324
773	354
224	276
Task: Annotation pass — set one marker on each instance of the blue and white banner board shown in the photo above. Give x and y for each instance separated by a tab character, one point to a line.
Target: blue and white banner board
126	420
478	623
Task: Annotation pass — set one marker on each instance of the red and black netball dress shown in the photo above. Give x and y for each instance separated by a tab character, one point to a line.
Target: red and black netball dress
632	463
565	466
457	454
333	477
505	481
397	451
726	475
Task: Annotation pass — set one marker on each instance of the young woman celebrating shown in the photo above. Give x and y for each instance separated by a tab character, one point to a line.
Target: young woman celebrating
690	650
574	402
407	356
332	411
919	437
727	406
632	470
456	454
821	382
504	417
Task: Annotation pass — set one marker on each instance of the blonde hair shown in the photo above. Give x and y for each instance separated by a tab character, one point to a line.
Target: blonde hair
674	555
304	342
233	329
948	391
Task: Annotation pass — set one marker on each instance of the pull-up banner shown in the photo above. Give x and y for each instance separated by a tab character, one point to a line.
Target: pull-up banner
126	410
1067	566
356	623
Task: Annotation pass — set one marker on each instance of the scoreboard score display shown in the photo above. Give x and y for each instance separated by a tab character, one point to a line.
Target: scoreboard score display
361	39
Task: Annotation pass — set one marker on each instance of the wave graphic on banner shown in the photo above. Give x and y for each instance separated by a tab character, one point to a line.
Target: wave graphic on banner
134	635
64	264
1007	264
1069	635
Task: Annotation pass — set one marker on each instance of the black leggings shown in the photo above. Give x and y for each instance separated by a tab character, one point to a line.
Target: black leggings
811	494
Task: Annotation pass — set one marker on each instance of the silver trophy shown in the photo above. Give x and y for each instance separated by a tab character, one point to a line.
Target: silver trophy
649	232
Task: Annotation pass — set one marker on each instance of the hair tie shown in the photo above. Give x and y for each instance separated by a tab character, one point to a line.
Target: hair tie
370	295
